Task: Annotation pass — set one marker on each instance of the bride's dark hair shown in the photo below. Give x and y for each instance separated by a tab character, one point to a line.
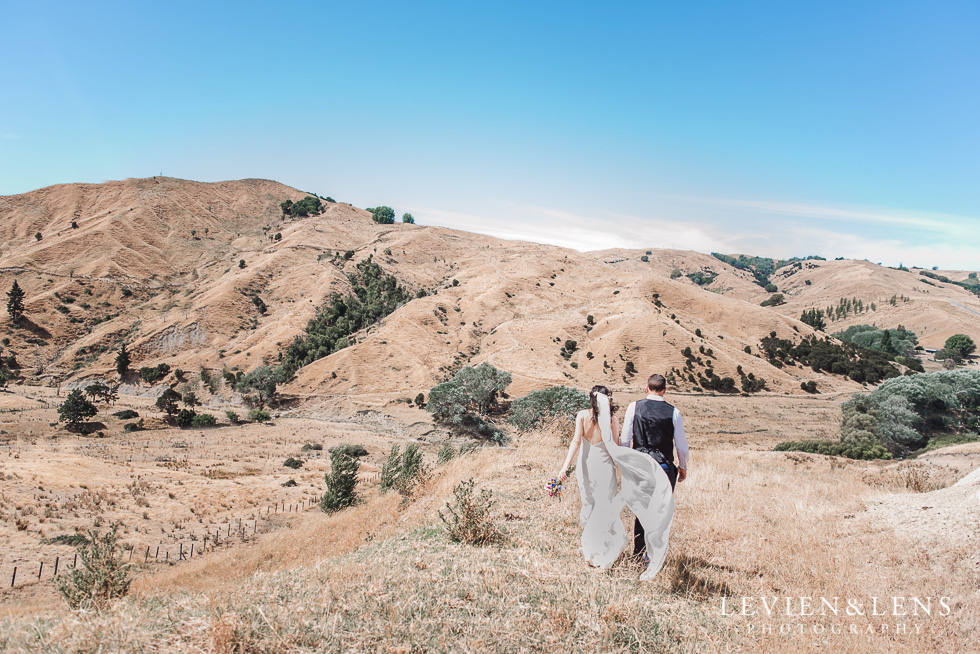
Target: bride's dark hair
595	405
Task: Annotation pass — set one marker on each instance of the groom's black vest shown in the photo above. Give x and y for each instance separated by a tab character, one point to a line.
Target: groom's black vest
653	429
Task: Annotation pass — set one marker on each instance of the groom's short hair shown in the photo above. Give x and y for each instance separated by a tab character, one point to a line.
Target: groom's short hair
657	383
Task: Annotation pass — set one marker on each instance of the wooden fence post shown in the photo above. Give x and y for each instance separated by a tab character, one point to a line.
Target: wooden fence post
13	579
40	568
56	559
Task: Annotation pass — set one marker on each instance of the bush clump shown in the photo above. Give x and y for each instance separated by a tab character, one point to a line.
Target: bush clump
375	294
259	415
464	401
130	427
469	517
341	483
403	471
446	453
101	576
906	414
153	374
185	418
863	450
295	464
203	420
540	407
126	414
308	206
356	451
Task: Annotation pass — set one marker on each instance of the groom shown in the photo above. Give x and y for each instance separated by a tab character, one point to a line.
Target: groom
654	427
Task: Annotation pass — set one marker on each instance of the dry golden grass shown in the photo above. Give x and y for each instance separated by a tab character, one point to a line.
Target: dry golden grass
384	577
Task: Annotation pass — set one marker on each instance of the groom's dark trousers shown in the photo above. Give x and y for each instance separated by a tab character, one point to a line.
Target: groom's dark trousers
653	434
639	545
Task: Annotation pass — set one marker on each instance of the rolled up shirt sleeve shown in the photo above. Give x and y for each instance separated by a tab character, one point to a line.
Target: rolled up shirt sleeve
680	440
626	433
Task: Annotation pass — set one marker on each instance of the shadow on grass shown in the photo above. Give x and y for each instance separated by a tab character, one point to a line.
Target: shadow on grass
692	576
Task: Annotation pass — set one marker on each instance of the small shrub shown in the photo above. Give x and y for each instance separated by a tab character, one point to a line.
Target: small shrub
469	518
341	483
203	420
185	418
290	483
233	417
101	576
295	464
350	450
315	447
259	415
130	427
446	453
126	414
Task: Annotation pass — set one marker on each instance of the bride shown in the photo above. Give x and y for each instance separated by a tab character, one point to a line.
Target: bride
645	490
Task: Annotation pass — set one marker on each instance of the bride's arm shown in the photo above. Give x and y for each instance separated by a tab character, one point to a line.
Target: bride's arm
572	449
614	423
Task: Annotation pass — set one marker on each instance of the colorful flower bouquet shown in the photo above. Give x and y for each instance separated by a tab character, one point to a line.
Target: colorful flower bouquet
554	489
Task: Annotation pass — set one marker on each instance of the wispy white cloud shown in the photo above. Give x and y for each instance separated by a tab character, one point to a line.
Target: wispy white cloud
939	223
751	227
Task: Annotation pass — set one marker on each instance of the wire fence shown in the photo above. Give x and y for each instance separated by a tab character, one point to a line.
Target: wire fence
221	536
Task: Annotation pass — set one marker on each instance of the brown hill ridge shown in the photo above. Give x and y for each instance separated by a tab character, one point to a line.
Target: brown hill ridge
156	262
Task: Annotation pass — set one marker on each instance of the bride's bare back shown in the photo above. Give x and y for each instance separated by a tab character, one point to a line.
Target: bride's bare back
587	428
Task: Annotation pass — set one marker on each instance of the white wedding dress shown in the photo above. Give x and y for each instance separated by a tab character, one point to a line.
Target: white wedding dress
645	490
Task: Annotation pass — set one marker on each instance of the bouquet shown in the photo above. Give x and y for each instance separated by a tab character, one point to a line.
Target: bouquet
553	487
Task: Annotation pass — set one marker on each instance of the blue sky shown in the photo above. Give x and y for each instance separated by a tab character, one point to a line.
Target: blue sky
780	129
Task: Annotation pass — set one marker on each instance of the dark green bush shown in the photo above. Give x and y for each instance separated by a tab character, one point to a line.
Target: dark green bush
126	414
259	415
383	215
153	374
375	295
185	418
472	389
350	450
341	483
865	450
203	420
295	464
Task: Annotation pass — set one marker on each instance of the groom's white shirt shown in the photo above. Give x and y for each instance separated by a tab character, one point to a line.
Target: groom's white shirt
680	440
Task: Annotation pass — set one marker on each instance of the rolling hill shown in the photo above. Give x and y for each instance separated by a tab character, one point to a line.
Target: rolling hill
215	275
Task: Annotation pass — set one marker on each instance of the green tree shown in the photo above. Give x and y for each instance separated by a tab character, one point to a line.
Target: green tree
814	318
341	482
96	391
771	288
407	218
473	389
168	400
383	215
122	361
960	344
76	408
262	382
15	302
